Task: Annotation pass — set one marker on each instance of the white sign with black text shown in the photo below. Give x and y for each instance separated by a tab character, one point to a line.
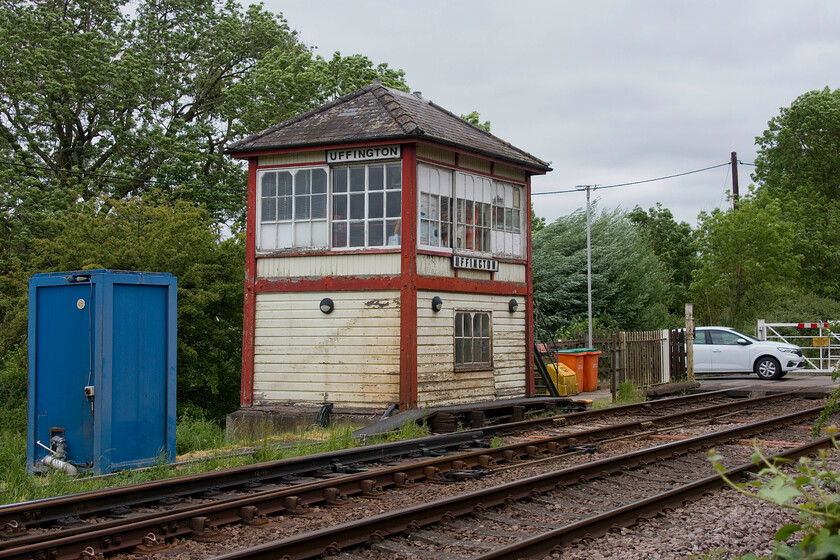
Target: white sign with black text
363	154
475	263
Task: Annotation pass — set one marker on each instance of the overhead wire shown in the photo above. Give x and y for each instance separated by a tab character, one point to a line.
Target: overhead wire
240	189
599	187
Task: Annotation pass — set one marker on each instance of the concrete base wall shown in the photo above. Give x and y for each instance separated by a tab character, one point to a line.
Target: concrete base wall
259	422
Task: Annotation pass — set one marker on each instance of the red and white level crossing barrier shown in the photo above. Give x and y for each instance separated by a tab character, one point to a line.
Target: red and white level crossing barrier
820	346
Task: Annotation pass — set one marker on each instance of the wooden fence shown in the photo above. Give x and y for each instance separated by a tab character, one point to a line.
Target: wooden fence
645	358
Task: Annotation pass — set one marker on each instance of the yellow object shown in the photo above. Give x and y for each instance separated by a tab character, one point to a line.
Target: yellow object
564	378
820	342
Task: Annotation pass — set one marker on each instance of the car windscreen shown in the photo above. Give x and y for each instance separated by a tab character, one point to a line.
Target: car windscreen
746	336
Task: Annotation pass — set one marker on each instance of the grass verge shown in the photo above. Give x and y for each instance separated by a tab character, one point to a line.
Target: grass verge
201	447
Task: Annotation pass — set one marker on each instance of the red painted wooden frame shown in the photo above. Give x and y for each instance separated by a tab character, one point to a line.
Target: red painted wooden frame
408	280
246	395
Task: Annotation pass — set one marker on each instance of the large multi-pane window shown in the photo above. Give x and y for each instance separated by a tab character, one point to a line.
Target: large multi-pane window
472	340
366	205
360	206
507	220
435	187
293	208
473	212
507	208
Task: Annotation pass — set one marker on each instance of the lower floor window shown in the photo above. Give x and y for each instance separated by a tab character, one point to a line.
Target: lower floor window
472	340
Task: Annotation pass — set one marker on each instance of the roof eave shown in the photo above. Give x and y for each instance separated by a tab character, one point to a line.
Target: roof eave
540	167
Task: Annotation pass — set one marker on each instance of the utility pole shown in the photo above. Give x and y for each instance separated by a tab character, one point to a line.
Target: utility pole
734	180
588	260
588	269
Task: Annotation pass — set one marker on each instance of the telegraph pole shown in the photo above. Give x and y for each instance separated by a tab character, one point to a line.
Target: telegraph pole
588	269
735	180
587	188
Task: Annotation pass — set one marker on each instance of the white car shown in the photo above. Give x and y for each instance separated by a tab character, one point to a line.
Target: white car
721	349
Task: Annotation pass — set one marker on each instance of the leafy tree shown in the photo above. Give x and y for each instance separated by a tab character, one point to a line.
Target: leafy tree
180	238
537	222
159	94
474	119
629	285
672	242
801	146
113	124
798	163
746	262
287	82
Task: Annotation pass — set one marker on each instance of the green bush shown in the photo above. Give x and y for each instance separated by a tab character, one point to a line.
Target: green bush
196	433
809	487
13	388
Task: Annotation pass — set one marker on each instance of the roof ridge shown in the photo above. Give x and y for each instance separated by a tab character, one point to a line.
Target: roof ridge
302	116
389	102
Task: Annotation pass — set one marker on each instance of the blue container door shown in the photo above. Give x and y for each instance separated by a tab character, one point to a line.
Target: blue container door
64	367
139	375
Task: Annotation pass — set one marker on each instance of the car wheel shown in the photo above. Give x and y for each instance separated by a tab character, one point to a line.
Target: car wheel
768	368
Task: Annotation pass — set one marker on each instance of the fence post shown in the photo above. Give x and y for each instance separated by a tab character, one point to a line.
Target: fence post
621	358
689	341
761	330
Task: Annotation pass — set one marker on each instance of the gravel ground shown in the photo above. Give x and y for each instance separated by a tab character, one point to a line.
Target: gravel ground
723	525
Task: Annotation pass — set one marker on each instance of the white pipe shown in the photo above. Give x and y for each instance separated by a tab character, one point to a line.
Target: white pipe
60	465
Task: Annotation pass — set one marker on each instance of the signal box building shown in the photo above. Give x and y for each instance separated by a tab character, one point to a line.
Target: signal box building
388	259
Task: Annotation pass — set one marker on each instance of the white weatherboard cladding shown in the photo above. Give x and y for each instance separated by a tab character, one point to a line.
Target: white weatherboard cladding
320	266
436	154
509	172
433	265
350	357
469	274
441	266
437	382
474	163
296	158
509	272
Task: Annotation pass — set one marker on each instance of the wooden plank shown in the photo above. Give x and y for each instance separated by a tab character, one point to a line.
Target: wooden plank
321	266
349	400
367	389
309	343
304	371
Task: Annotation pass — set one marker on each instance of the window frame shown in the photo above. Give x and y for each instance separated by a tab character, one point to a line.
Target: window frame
391	225
292	223
441	194
463	366
472	214
486	213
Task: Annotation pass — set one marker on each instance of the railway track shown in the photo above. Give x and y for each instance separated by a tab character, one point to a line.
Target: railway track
531	517
65	510
107	531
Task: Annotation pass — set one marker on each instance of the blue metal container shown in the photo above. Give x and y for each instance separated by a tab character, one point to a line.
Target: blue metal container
102	372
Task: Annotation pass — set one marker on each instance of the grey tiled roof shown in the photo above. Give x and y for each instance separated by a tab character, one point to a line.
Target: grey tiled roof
380	113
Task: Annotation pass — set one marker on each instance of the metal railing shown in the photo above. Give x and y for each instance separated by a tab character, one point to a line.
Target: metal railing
819	342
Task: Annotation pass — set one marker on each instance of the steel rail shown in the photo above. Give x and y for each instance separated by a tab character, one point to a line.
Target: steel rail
333	539
49	510
553	541
121	534
589	415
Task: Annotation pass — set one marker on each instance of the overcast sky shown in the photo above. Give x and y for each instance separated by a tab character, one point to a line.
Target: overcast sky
607	92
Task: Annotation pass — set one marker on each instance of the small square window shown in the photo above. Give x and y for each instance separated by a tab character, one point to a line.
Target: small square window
473	341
